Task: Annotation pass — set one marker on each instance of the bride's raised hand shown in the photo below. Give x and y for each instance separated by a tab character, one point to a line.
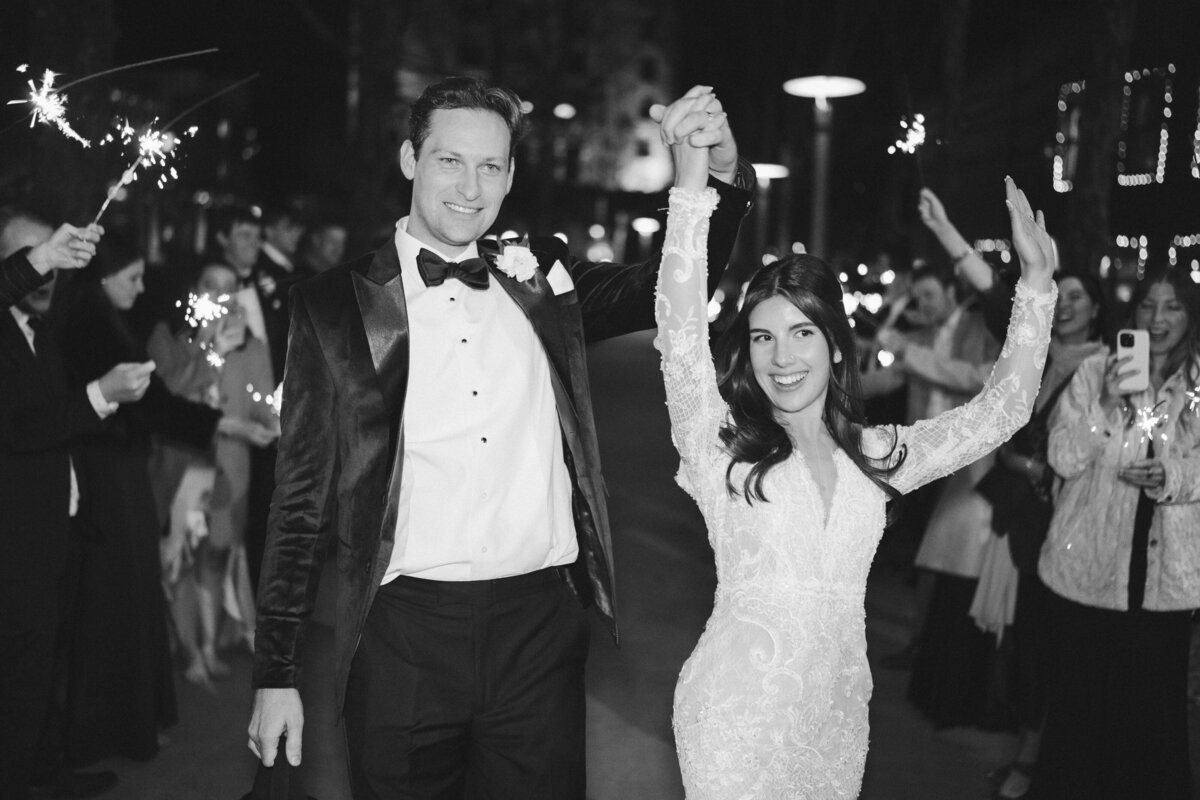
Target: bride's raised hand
1033	244
692	127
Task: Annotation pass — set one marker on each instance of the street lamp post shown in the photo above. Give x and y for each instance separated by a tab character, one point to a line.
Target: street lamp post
821	88
764	174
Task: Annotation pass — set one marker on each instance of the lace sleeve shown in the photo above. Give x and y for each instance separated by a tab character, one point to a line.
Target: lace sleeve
937	447
681	313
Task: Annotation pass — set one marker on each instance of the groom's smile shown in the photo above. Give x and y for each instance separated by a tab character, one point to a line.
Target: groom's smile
460	175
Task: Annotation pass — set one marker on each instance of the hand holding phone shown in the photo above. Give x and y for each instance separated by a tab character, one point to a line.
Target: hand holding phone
1133	348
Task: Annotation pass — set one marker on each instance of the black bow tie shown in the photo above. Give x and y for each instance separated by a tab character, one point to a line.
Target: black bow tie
435	270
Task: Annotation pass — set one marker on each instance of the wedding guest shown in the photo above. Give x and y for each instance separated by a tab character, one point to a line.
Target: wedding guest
202	494
24	272
281	234
42	413
994	291
793	483
324	247
122	694
462	632
944	368
1122	562
1021	489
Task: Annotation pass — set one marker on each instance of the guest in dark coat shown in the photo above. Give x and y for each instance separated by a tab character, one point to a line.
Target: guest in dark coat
41	415
121	687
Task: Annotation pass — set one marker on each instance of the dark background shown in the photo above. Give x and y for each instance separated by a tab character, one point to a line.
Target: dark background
987	75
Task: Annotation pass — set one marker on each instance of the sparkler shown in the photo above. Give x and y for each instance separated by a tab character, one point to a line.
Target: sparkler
914	135
201	310
1147	419
1193	398
155	147
49	105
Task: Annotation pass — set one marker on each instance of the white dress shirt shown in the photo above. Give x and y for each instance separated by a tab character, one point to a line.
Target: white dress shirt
485	492
102	407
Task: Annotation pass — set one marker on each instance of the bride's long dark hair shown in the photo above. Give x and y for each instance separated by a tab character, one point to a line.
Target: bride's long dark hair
752	435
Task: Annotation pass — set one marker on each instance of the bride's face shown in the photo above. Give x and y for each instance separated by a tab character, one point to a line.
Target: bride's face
789	356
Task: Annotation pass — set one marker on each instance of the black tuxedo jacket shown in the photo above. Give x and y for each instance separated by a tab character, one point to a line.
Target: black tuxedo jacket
41	414
271	283
18	278
340	454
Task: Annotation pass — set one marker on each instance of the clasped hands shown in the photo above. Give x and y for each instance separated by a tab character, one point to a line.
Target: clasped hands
696	130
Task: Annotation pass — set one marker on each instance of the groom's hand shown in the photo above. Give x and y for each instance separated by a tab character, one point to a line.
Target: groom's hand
276	712
699	112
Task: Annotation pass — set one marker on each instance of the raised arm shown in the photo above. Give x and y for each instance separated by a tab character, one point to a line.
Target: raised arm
996	296
936	447
681	301
615	299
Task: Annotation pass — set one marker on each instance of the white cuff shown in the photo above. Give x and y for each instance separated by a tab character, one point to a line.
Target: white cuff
103	407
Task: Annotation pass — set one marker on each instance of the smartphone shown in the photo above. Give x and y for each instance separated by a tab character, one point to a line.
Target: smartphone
1134	343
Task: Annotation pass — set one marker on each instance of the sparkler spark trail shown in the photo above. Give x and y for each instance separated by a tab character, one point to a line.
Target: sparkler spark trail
145	63
201	310
1193	398
914	135
49	106
1147	419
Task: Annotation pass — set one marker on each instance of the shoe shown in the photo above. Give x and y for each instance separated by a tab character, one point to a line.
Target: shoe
999	777
76	784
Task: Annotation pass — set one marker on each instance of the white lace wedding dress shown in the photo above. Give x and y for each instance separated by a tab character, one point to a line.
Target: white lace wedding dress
772	703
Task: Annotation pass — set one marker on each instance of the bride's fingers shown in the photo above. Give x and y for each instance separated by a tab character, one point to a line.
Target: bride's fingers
710	134
679	111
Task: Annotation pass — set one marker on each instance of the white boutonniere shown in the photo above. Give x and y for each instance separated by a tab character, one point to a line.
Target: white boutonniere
267	284
517	262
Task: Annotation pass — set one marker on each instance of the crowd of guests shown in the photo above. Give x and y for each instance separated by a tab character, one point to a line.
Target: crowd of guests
136	468
1057	577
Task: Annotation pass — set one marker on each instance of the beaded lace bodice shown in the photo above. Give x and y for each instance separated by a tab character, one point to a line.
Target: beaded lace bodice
772	703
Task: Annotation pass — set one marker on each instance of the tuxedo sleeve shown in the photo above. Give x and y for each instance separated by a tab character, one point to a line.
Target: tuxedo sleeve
616	299
301	507
18	277
27	427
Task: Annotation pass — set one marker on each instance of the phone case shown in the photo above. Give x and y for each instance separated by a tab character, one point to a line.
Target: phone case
1140	350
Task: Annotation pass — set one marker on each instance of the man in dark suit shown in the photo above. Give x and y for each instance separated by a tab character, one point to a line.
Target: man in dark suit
437	422
40	415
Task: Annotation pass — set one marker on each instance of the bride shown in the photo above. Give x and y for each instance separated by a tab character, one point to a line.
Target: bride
792	485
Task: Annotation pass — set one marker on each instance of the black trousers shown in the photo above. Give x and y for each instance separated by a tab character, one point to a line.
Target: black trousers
1116	723
28	625
469	690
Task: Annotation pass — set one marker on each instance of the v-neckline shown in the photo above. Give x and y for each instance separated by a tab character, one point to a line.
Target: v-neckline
823	505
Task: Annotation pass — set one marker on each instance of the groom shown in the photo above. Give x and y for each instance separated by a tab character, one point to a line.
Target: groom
437	422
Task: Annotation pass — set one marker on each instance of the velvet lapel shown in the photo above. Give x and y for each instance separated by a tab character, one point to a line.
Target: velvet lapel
536	298
380	295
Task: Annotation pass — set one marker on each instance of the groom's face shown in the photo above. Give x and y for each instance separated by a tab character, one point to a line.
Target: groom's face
460	177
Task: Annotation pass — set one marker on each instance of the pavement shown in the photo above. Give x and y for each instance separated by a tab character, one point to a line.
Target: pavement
665	583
